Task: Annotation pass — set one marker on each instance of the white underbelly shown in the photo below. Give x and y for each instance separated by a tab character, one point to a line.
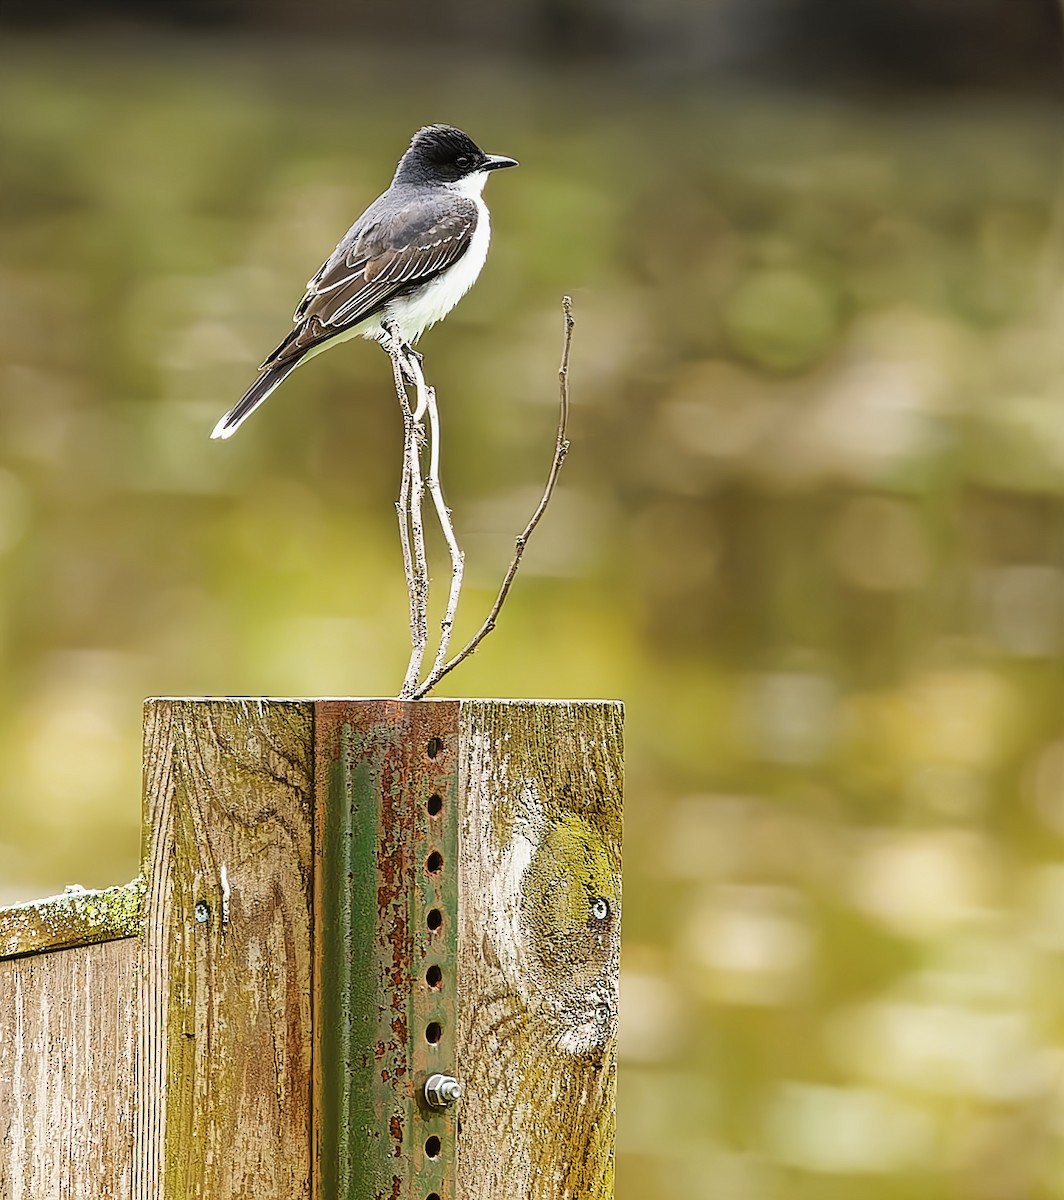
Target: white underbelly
415	313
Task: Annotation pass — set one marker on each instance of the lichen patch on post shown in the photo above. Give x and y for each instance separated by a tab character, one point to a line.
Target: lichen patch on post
77	917
571	923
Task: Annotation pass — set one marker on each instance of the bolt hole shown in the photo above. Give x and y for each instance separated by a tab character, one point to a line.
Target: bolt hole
432	1146
434	976
435	804
433	1032
434	862
434	919
434	747
433	1196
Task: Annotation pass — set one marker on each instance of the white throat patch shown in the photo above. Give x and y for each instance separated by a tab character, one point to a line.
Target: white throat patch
470	186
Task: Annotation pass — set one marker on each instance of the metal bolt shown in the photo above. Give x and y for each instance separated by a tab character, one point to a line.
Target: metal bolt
202	912
441	1091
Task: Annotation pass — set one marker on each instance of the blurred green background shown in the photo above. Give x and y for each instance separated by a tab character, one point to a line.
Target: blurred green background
811	531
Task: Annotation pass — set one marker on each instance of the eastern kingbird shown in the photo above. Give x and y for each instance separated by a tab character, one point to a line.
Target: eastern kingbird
409	259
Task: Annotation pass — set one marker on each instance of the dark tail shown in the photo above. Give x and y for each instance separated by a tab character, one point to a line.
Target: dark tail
270	379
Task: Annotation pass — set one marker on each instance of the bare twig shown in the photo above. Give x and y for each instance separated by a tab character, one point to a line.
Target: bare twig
402	505
408	509
427	403
561	448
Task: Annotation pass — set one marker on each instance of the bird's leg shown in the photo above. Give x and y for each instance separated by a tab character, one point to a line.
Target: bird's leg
408	360
391	341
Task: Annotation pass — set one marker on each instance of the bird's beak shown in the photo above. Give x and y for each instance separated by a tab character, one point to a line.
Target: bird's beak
495	162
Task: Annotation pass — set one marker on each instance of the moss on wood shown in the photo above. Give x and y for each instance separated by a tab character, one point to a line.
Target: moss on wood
78	917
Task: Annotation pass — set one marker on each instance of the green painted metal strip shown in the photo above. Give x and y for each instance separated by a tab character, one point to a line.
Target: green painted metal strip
379	765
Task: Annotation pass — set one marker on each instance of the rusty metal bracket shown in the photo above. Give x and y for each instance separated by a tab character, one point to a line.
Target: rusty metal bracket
385	948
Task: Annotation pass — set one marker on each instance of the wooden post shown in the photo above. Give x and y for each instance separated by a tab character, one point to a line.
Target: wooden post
341	899
224	1051
67	1031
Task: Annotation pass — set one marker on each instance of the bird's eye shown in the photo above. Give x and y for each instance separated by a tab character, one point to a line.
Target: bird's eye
463	160
600	908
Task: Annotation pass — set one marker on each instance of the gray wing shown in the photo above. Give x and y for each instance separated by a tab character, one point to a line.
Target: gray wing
381	257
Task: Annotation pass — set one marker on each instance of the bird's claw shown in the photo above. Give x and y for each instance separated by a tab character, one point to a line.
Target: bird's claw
391	341
406	353
402	352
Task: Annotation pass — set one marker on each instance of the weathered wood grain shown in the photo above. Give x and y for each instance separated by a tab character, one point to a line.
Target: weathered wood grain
224	1053
67	1034
79	917
538	948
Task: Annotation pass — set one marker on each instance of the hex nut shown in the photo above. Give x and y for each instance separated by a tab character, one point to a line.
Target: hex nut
441	1091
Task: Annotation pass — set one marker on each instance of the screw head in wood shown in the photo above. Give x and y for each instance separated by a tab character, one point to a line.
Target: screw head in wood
441	1091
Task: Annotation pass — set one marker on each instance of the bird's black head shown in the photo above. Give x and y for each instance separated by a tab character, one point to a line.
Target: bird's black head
443	154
